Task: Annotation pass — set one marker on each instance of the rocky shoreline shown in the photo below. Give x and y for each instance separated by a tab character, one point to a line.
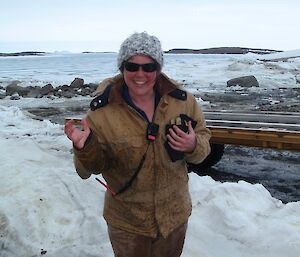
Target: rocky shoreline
275	99
77	87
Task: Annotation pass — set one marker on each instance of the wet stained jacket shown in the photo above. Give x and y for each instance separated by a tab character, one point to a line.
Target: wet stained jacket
158	200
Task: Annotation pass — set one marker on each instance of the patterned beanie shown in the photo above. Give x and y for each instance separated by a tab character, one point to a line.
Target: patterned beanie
141	43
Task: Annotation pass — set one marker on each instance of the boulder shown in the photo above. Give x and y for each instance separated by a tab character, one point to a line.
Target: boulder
77	83
2	94
15	96
14	88
45	90
34	92
63	88
92	86
245	81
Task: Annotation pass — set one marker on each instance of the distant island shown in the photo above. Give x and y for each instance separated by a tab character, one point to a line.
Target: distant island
222	50
27	53
213	50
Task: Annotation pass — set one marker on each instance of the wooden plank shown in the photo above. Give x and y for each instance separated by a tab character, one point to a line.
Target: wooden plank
257	129
253	124
283	140
268	117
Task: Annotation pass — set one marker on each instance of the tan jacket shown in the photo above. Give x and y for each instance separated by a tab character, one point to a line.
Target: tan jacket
158	199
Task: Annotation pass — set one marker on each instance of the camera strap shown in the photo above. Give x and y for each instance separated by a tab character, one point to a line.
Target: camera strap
129	182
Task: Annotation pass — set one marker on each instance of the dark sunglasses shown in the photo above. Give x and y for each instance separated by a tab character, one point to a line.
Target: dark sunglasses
147	67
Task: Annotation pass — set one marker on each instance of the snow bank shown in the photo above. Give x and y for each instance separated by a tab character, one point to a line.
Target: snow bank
46	209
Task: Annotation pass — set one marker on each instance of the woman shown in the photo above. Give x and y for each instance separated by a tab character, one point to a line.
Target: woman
139	134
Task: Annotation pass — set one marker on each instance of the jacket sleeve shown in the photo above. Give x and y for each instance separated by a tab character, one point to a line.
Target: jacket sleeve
91	159
203	134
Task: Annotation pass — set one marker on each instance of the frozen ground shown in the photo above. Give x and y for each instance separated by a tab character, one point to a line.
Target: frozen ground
47	210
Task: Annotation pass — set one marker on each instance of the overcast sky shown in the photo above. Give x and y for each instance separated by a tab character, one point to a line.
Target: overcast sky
97	25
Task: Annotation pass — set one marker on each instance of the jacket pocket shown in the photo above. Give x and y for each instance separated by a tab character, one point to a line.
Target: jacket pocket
128	152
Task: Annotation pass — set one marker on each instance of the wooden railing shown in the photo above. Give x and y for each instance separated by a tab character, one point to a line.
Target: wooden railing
255	129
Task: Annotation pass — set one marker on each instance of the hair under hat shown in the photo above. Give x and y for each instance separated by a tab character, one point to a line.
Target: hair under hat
140	43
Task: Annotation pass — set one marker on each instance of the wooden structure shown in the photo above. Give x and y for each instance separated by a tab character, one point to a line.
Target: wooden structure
253	129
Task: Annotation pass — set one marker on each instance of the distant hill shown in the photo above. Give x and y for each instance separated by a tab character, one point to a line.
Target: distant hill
221	50
23	53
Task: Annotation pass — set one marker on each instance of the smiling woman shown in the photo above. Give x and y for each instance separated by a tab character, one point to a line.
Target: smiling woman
130	126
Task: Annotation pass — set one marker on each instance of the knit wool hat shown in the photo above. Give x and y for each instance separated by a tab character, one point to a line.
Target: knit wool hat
141	43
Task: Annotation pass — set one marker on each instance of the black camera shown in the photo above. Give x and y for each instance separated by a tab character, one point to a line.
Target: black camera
181	122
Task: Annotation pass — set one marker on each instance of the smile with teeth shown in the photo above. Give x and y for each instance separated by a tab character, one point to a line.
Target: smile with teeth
140	82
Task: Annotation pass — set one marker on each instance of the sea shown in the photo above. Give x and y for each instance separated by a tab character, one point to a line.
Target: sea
62	68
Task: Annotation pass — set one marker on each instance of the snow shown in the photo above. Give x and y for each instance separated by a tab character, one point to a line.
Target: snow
46	209
281	55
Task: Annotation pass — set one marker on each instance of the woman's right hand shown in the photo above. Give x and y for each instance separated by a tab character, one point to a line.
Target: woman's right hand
78	137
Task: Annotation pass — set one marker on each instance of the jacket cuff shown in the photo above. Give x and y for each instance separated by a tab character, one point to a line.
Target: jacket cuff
201	151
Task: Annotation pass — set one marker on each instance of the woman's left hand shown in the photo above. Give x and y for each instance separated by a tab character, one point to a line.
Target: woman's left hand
181	141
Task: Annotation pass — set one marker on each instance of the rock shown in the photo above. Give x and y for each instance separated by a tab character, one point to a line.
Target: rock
39	92
34	92
246	81
63	88
77	87
84	91
92	86
298	79
14	88
43	251
47	89
2	92
15	96
77	83
51	96
2	95
67	94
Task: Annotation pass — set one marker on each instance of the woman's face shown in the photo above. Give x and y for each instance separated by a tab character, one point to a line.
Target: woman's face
140	83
